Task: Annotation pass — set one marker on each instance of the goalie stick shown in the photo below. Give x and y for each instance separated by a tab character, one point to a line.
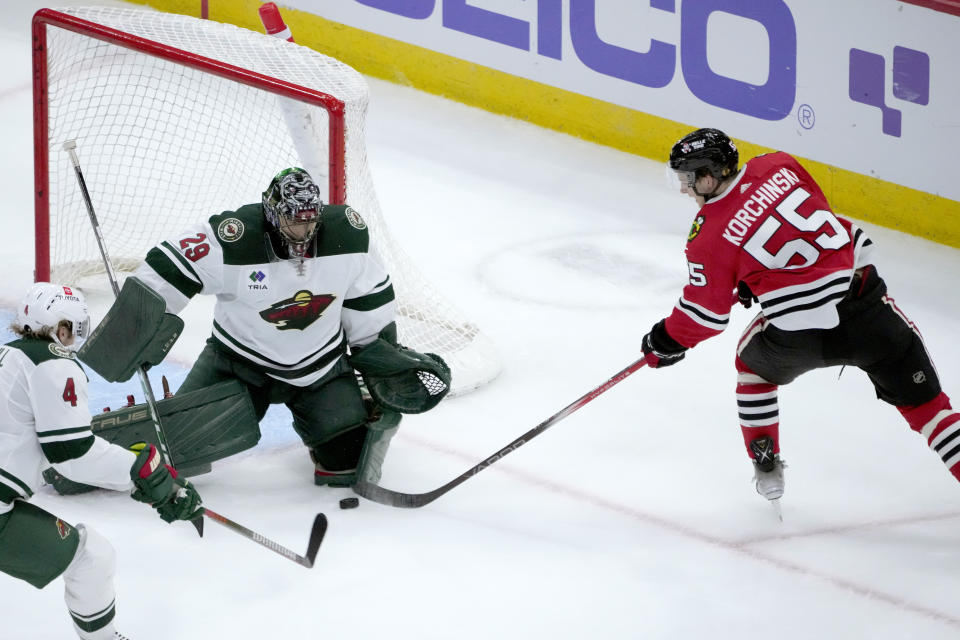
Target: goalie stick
70	146
319	523
392	498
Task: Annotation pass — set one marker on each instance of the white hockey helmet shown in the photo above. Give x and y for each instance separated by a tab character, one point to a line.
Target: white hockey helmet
46	304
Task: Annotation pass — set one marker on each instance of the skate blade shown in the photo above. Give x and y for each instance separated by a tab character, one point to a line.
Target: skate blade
777	508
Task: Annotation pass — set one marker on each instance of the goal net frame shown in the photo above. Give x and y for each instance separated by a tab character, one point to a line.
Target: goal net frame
426	320
41	133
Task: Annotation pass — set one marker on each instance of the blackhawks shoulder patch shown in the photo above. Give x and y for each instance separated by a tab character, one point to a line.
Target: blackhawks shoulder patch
230	230
695	227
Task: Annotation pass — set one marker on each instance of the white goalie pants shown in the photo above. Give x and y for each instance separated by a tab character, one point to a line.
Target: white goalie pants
89	587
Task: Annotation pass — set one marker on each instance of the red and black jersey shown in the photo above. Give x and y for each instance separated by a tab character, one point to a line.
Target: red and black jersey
772	229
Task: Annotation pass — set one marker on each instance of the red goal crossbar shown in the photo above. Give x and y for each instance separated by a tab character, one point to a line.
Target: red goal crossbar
41	142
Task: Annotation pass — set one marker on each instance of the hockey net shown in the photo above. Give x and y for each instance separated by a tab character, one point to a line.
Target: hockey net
177	119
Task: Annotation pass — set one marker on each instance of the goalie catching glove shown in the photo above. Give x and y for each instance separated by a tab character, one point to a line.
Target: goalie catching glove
398	378
157	484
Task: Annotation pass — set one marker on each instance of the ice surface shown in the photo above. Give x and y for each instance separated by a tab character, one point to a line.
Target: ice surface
633	518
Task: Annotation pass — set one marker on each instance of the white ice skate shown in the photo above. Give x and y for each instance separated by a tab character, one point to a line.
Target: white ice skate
768	472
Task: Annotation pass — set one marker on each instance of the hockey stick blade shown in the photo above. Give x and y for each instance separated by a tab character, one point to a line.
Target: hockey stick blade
198	525
317	532
391	498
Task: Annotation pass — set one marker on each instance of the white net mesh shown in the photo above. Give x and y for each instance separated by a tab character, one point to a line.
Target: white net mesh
163	145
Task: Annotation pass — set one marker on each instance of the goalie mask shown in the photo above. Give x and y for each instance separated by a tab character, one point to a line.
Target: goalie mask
292	205
46	305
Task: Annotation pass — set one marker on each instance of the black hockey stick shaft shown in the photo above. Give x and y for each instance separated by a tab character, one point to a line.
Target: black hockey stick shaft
391	498
317	532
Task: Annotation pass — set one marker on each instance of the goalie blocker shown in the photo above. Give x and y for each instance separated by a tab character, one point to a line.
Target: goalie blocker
136	331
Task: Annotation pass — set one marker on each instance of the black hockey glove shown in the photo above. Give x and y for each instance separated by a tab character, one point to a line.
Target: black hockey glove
744	295
659	349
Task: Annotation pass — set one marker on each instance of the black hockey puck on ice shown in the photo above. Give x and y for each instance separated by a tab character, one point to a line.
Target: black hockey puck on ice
350	503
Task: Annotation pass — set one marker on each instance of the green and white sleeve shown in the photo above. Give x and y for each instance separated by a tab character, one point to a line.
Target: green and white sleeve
58	391
181	267
370	303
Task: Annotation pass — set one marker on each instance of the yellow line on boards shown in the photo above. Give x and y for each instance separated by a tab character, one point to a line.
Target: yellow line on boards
866	198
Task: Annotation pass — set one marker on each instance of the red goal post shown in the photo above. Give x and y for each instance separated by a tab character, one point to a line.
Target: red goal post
177	119
41	132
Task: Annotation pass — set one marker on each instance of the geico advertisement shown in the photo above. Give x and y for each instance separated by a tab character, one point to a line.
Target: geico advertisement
865	85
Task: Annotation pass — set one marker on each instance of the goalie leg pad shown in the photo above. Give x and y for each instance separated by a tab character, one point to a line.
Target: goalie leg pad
356	454
329	416
136	331
201	426
336	459
379	434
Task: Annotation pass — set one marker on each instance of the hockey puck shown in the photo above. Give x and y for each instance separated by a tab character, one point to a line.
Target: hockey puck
350	503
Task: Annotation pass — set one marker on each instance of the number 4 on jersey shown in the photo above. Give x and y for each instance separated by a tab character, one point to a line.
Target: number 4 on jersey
69	393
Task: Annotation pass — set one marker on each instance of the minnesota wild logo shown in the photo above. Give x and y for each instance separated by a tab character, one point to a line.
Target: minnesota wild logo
59	351
354	219
695	228
230	230
63	529
298	312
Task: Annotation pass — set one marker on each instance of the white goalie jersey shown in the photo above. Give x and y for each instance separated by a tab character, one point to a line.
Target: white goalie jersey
292	319
44	420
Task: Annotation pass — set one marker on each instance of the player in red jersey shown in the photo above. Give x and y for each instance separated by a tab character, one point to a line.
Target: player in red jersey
765	232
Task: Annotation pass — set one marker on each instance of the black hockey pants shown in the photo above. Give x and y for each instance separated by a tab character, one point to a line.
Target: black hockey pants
873	335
